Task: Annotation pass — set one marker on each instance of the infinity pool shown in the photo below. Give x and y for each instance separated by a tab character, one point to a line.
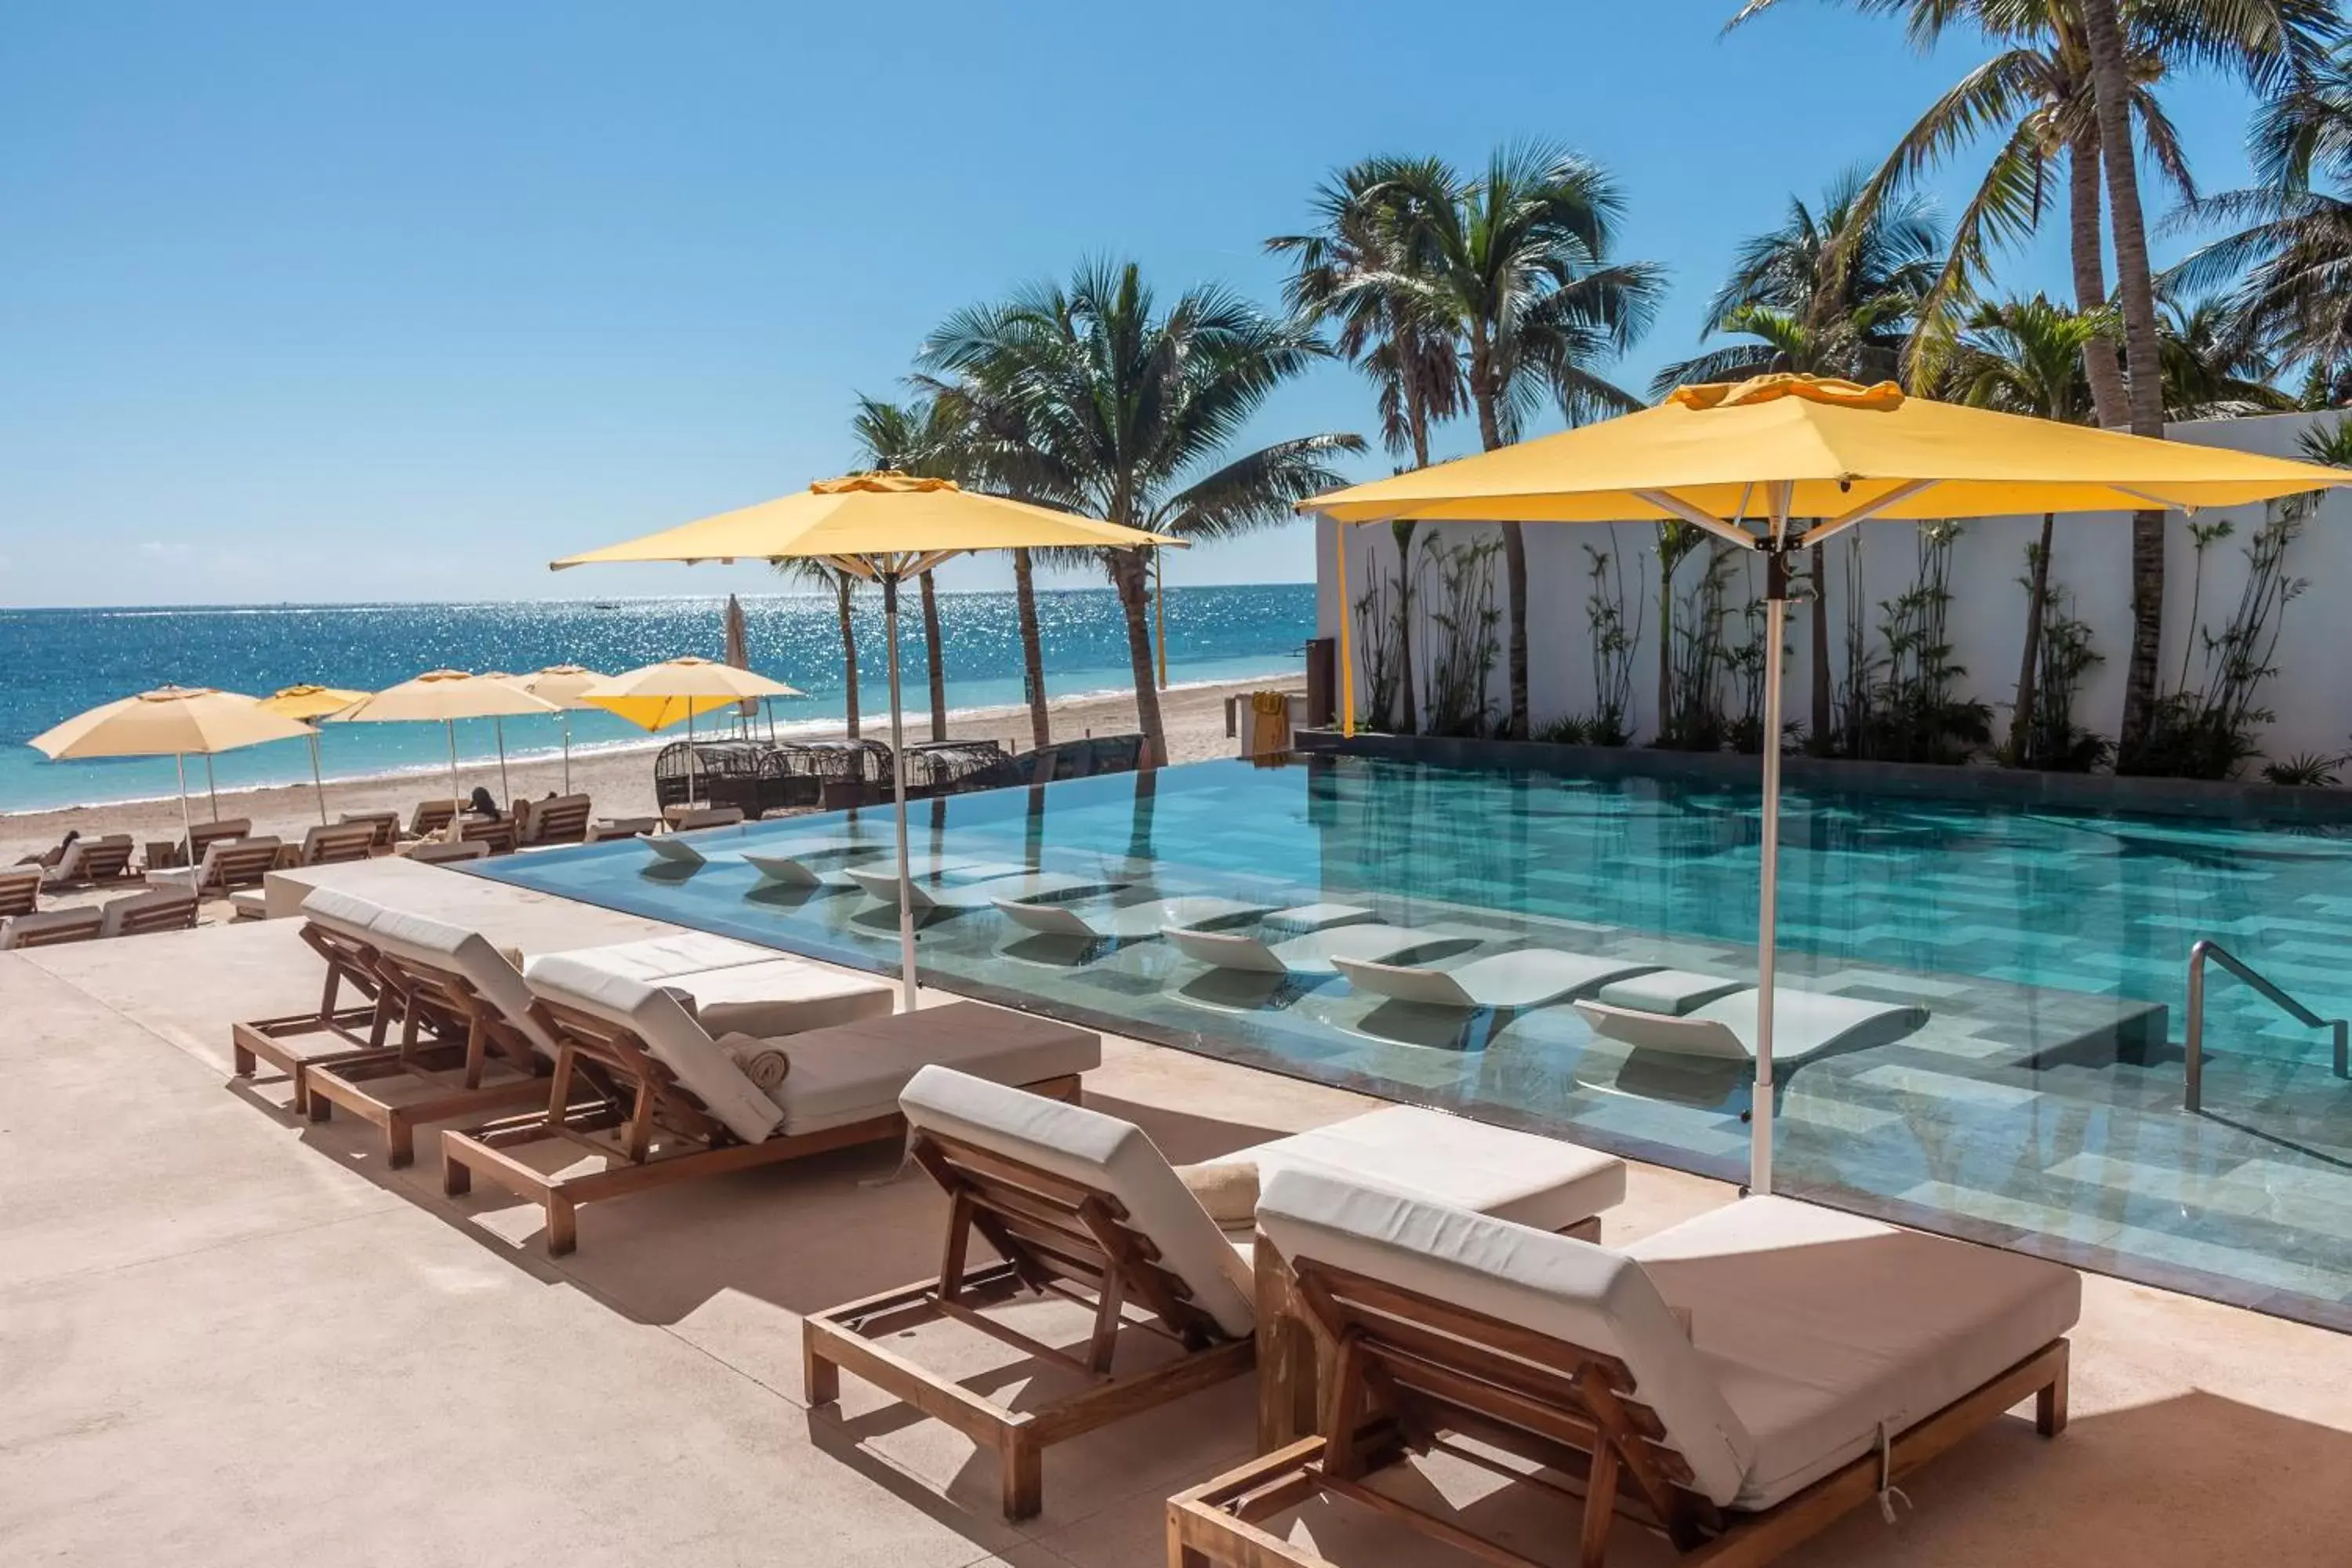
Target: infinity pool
2038	1107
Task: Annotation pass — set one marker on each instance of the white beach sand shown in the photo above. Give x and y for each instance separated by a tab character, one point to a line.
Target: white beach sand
621	782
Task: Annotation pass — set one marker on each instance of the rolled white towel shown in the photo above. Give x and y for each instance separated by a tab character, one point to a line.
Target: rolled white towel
762	1061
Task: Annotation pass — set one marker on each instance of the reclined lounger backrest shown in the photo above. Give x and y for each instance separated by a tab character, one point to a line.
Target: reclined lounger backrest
1571	1293
426	950
1098	1151
662	1024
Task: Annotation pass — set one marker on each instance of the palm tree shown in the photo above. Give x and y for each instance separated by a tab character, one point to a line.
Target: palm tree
1832	291
929	437
1517	265
2025	356
1356	272
1112	407
842	586
2082	75
2211	371
2288	256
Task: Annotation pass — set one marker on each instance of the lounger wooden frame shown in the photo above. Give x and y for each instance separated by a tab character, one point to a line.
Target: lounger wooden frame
1056	1236
89	862
432	816
137	916
281	1041
560	820
471	1057
20	890
608	1081
1407	1372
243	863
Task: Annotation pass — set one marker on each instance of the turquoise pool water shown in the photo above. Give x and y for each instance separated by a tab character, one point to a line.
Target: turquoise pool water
2038	1106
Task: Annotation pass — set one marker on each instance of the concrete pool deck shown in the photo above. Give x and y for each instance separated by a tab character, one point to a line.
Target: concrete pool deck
231	1338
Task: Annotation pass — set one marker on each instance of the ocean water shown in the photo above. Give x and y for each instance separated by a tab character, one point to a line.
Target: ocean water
56	663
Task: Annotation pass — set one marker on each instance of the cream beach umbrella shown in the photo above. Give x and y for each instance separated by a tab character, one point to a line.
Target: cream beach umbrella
443	697
312	702
562	684
656	696
1778	464
176	722
885	528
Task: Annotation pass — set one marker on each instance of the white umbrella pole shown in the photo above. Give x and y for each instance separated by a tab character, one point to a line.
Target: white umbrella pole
187	822
567	751
1760	1147
506	790
457	818
317	780
898	784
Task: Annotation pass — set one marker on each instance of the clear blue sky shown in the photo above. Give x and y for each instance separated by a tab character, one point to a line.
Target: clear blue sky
303	302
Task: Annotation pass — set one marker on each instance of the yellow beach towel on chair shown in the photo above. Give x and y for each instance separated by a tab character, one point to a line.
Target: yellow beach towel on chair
1270	730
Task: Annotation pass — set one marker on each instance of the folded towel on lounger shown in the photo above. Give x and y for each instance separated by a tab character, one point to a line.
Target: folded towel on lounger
1226	1188
762	1061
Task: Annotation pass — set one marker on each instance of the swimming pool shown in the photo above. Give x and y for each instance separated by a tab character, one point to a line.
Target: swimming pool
2038	1106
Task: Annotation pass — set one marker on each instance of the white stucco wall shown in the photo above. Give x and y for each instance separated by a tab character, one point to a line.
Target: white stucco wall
2092	558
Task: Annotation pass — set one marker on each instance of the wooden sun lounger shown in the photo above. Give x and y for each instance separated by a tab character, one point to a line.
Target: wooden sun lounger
653	1131
20	890
90	861
383	825
1501	982
1411	1372
157	910
53	928
497	834
350	954
441	852
558	819
332	844
432	816
1081	1206
227	865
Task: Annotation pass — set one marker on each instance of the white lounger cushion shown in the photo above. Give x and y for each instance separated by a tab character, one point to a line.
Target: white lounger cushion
1804	1024
1571	1290
1102	1151
1508	1175
440	945
1529	977
778	996
678	1042
679	952
1820	1325
346	914
843	1076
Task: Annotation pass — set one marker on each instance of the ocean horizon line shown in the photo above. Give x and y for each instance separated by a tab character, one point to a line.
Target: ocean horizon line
267	607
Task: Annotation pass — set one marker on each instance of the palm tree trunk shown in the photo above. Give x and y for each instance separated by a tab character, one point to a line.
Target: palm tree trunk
1515	547
1129	576
933	655
848	648
1033	651
2084	238
1818	625
2103	35
2021	724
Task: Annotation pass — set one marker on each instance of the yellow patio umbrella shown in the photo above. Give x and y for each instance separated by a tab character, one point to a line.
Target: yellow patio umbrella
177	721
656	696
1752	462
444	697
886	528
562	684
312	702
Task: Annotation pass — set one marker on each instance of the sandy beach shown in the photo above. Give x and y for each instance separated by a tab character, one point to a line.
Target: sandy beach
621	782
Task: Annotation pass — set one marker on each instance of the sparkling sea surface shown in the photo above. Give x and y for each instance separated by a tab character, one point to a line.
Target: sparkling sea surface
56	663
2038	1105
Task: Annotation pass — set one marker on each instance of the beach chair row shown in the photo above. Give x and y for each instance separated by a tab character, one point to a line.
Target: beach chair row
1401	1284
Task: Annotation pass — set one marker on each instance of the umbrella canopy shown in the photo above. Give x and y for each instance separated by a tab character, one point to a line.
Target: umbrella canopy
444	696
312	702
562	684
872	525
1783	449
657	695
1832	450
176	721
885	527
309	701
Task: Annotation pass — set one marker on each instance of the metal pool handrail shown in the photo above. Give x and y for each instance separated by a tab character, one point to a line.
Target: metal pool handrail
2221	955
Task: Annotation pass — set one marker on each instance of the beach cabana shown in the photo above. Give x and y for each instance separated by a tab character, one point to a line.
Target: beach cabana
443	697
176	722
885	528
1780	463
312	703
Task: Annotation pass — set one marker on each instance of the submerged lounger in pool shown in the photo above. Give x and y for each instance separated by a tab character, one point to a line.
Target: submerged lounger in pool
939	893
672	849
1503	982
796	872
1132	922
1805	1025
1313	954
